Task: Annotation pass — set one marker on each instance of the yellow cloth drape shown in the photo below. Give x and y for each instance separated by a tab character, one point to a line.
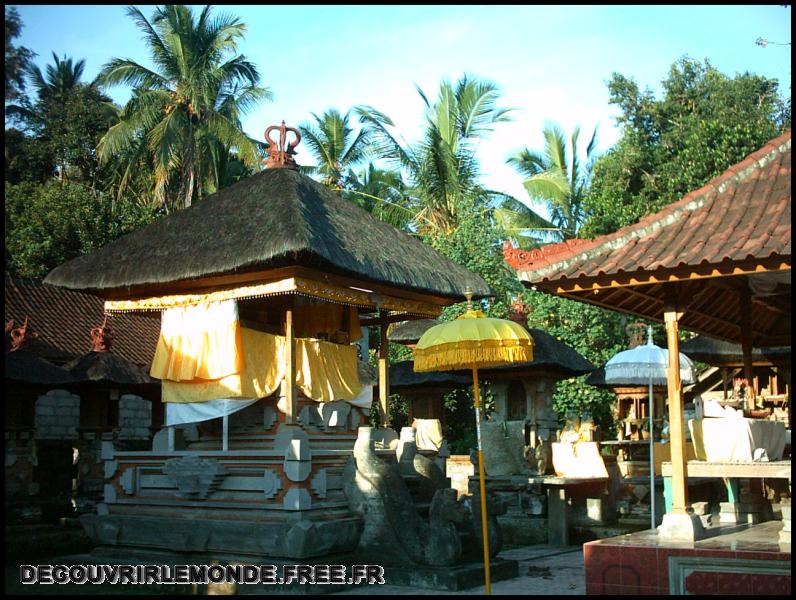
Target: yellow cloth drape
326	371
263	371
199	342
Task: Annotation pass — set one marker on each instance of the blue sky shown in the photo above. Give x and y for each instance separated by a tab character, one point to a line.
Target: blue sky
551	63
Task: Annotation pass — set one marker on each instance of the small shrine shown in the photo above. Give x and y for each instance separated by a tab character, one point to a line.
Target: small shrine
263	289
519	436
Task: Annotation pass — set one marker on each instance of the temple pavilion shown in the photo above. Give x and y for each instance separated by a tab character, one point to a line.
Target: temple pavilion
716	262
263	287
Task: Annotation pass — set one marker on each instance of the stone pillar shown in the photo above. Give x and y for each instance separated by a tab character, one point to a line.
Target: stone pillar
557	517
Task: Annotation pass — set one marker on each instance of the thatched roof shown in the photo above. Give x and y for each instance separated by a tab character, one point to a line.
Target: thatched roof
26	367
726	354
551	357
275	218
411	331
402	375
109	368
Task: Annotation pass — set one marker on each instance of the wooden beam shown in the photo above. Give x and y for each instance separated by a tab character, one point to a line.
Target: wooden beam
662	275
676	415
371	321
780	469
290	368
384	376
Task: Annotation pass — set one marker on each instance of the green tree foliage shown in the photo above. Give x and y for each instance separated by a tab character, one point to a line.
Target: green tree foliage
184	116
336	147
383	193
63	125
704	123
49	224
442	169
26	159
18	58
557	178
595	333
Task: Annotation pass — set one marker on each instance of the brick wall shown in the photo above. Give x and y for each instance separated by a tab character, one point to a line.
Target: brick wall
57	415
135	417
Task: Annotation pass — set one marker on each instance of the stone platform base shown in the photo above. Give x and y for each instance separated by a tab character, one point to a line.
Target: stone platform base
454	578
299	540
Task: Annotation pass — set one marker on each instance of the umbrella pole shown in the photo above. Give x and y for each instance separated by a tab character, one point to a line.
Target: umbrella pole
482	486
652	457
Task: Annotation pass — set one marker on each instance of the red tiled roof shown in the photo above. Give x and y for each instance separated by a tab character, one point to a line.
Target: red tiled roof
63	320
745	213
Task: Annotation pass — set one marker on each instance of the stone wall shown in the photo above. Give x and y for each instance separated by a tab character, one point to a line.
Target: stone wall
57	415
135	418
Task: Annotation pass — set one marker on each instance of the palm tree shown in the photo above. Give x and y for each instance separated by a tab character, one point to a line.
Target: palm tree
558	178
334	146
442	167
384	194
66	118
62	77
187	110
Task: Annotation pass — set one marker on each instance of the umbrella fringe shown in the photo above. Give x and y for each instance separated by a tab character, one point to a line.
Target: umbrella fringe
463	355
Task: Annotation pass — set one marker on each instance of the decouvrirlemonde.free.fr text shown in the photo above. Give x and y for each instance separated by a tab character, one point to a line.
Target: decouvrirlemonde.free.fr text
201	574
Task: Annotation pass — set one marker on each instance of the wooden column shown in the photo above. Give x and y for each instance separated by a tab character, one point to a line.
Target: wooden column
676	417
746	347
384	376
290	368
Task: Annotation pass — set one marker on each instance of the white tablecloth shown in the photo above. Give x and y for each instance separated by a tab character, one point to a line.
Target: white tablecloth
737	440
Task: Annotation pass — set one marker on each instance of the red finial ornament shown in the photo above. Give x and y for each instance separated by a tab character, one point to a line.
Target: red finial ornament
20	336
519	311
102	337
279	155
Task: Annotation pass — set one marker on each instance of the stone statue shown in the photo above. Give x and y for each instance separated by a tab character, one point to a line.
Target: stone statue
444	546
494	508
570	432
393	529
504	446
423	470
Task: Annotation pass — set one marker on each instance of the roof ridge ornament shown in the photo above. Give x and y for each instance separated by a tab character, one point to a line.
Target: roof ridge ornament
279	155
21	336
102	337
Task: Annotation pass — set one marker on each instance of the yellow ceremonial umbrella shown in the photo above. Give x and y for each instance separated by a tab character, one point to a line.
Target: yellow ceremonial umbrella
472	341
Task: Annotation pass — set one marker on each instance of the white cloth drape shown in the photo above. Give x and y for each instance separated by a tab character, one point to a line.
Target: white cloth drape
195	412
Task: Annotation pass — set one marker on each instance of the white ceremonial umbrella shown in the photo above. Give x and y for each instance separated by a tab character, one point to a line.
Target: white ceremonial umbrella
647	364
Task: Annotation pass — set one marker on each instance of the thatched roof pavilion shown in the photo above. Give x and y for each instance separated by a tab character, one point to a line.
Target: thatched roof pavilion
275	219
108	368
24	367
719	353
716	262
297	270
403	377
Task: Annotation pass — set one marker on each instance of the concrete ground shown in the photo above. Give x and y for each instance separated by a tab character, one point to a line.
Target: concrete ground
543	569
